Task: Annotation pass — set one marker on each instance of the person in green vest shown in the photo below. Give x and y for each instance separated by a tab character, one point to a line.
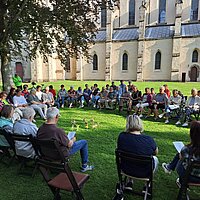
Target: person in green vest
17	81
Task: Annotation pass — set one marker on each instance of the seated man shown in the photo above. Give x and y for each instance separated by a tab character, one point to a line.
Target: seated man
111	99
25	127
160	102
49	130
48	98
37	105
103	98
136	96
87	94
95	95
192	106
71	96
133	141
80	97
173	104
125	97
62	95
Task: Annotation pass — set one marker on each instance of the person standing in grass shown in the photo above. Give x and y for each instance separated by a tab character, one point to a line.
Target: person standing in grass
180	161
133	141
49	131
17	81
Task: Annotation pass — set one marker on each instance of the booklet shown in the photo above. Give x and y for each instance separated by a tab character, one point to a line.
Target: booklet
71	135
178	145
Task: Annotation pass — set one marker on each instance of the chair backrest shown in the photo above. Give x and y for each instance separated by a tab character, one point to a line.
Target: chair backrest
23	138
9	138
47	152
142	165
193	165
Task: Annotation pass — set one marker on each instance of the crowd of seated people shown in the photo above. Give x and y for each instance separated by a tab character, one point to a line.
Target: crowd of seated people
162	104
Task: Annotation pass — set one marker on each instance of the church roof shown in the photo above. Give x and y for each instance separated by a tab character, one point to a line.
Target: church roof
189	30
151	32
159	32
125	34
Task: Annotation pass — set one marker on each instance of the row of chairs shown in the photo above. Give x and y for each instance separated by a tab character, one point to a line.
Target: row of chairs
141	161
50	161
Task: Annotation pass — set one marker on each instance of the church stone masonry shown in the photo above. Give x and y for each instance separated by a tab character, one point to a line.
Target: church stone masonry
176	38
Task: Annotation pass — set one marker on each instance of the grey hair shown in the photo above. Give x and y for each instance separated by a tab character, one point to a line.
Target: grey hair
33	91
28	113
134	123
52	112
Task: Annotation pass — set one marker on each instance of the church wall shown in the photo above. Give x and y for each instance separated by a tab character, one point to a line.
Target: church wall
186	10
188	45
150	50
118	49
87	69
170	11
124	13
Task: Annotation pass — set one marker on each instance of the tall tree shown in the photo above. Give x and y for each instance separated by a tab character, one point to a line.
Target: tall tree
46	26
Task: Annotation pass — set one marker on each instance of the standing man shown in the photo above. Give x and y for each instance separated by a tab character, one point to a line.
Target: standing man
17	81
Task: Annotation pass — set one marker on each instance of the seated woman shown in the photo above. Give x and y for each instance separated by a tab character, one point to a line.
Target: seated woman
134	142
6	123
180	161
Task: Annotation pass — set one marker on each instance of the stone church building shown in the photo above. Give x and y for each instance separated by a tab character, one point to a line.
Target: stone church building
152	40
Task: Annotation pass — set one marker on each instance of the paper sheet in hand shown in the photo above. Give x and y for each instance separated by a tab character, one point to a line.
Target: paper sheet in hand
178	145
71	135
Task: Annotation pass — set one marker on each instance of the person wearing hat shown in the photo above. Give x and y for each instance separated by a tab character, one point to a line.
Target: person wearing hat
69	146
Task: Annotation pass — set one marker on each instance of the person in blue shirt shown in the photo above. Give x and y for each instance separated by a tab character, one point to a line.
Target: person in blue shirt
6	122
133	141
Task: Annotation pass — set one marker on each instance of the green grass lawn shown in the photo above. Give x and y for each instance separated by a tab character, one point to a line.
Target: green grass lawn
102	144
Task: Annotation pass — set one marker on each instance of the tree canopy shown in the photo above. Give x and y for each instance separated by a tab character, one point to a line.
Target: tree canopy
65	27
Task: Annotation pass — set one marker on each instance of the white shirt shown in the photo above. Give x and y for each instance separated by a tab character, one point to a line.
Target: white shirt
18	101
39	95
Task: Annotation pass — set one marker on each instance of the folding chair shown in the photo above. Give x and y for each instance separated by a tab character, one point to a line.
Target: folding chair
124	159
51	158
185	184
24	160
6	150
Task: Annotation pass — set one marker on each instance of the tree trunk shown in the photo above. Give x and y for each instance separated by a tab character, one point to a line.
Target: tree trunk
6	72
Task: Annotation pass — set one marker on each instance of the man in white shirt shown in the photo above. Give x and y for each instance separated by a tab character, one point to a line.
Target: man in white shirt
39	93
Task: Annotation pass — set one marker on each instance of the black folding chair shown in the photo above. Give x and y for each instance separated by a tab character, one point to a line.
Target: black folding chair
51	158
128	159
186	183
7	151
22	159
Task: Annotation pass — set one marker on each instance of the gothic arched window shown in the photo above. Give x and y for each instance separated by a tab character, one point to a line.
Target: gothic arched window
158	60
194	10
162	11
195	56
125	61
95	62
103	16
131	12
